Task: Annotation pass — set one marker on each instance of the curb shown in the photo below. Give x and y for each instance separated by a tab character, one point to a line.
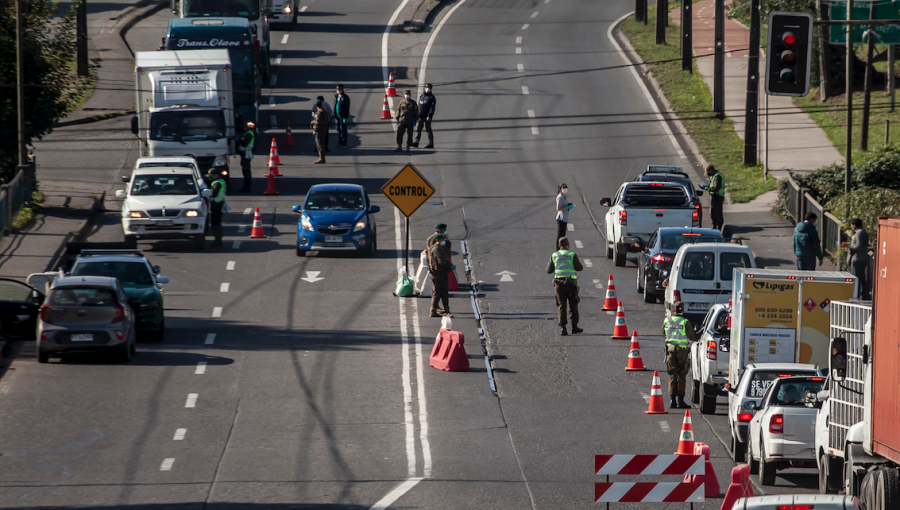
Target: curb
94	118
420	15
96	207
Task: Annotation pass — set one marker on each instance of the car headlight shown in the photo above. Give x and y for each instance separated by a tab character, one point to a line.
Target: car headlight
137	214
192	214
361	224
287	8
221	161
305	223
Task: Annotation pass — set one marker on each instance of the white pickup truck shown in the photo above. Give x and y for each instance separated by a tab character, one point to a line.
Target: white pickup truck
639	208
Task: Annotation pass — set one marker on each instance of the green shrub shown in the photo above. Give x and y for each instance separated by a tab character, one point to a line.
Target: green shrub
868	205
879	168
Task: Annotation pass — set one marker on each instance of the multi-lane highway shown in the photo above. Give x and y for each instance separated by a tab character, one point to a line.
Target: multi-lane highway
288	382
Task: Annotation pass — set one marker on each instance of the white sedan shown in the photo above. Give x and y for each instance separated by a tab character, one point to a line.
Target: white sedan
782	433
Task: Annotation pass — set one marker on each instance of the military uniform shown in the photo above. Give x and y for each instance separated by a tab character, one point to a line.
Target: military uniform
216	204
679	332
407	115
717	198
427	103
440	266
319	125
563	265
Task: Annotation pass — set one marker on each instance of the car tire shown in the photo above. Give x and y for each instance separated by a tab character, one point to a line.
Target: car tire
707	402
370	251
43	356
767	470
620	258
637	281
609	251
300	253
131	241
649	297
754	464
828	482
695	393
160	335
199	241
738	450
887	495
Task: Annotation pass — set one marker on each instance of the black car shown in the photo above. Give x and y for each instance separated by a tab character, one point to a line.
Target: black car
680	178
656	259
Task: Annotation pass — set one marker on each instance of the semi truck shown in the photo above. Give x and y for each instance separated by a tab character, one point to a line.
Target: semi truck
185	105
863	392
232	34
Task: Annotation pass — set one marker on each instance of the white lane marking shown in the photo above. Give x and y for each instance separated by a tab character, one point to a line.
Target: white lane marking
179	434
248	210
224	287
210	339
284	39
312	276
167	464
424	65
278	59
598	285
230	265
664	426
273	121
506	276
531	114
579	244
525	26
519	40
395	494
534	14
404	375
271	101
384	45
570	227
646	397
241	228
303	9
525	89
191	400
420	380
518	51
201	368
634	72
535	130
521	67
546	1
236	245
273	80
217	311
588	263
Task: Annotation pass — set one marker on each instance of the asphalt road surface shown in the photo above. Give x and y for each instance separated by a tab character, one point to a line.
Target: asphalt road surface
288	382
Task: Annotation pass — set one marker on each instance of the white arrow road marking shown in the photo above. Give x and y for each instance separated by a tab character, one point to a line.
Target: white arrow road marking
312	276
506	276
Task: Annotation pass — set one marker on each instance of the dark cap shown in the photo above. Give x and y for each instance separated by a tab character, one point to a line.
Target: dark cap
438	237
319	102
428	85
440	226
340	85
678	306
710	169
320	98
407	92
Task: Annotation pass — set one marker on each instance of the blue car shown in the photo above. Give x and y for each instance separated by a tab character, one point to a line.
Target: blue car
336	217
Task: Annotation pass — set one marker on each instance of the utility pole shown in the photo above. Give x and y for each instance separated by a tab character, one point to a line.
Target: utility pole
824	53
867	84
687	39
849	72
719	61
891	71
20	83
81	38
751	108
638	10
662	15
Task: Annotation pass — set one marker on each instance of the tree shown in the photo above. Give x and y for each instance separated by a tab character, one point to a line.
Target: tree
50	81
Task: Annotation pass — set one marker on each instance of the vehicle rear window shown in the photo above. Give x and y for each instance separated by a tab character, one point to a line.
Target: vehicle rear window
730	260
334	201
674	241
168	164
791	393
655	195
762	379
698	265
81	296
129	273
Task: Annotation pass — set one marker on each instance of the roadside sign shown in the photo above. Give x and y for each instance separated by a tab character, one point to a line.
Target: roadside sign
884	34
408	190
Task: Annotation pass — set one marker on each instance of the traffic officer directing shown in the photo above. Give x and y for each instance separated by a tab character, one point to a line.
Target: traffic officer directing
679	331
407	115
247	141
216	204
440	266
427	102
717	196
563	265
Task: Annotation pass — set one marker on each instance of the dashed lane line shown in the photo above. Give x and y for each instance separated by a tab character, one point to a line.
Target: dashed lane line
271	101
521	67
191	401
519	40
278	59
201	368
535	14
273	80
167	464
531	114
571	226
579	244
518	51
525	26
664	426
241	228
248	210
273	121
525	89
588	263
224	287
179	434
303	9
236	245
230	265
210	339
217	311
284	39
535	130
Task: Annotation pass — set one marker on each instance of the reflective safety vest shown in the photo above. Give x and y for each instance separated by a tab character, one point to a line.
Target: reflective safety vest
717	184
220	196
676	334
250	145
563	262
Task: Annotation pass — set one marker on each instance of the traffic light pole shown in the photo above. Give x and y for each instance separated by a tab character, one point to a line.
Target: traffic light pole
849	93
662	15
751	107
719	61
687	38
867	87
20	82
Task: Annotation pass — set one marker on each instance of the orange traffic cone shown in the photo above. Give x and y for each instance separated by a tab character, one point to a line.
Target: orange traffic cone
257	230
656	402
610	303
270	185
274	150
686	439
635	362
385	110
288	138
620	331
273	164
392	90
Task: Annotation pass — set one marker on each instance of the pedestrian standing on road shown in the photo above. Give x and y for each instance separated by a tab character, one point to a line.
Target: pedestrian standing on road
807	246
563	265
341	114
427	102
330	112
440	266
858	257
679	331
440	228
717	196
216	204
562	212
407	115
247	142
319	125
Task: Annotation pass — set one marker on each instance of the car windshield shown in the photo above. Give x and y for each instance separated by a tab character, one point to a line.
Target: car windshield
334	201
730	260
185	126
675	241
163	185
129	273
762	379
698	265
217	8
81	296
790	393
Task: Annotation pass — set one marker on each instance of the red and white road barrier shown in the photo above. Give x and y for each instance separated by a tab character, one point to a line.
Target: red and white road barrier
649	464
648	492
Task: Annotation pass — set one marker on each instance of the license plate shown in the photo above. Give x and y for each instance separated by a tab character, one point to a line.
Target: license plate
334	239
164	223
82	337
698	306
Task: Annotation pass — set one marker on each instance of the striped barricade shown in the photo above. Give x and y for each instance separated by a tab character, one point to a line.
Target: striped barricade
648	492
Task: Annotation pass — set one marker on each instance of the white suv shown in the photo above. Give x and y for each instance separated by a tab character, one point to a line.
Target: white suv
709	358
165	203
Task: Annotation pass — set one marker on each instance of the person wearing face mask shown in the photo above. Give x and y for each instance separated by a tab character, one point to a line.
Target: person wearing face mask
440	267
341	114
427	102
562	212
407	115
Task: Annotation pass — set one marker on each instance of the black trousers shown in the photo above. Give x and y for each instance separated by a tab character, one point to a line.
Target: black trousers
860	269
342	132
561	227
566	290
715	212
408	129
245	171
427	125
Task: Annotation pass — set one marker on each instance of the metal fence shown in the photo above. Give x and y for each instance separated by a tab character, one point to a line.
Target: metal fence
829	228
15	195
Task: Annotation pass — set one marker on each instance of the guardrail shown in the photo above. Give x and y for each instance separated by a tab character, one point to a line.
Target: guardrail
829	228
15	195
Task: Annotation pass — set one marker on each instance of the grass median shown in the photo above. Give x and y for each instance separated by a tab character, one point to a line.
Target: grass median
691	100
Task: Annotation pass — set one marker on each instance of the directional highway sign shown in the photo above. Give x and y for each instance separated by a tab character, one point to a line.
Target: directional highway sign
884	34
408	190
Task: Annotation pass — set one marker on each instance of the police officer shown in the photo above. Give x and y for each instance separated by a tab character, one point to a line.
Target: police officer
678	331
216	203
341	114
563	265
245	147
717	195
407	115
440	266
427	102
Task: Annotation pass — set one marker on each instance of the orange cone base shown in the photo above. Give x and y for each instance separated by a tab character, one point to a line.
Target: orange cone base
270	187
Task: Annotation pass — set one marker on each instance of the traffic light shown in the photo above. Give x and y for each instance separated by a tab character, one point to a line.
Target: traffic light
788	54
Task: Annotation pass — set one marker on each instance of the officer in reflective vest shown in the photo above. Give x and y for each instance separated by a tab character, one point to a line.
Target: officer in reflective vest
562	266
679	332
245	148
716	195
216	204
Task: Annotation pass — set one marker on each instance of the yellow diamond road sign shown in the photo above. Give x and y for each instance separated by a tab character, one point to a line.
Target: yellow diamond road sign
408	190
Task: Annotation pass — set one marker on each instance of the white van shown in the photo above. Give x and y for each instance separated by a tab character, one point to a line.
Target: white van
701	275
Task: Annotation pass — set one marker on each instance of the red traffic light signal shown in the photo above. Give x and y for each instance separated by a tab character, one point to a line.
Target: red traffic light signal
790	39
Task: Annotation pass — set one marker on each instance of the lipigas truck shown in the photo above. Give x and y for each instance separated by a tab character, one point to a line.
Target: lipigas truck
185	105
